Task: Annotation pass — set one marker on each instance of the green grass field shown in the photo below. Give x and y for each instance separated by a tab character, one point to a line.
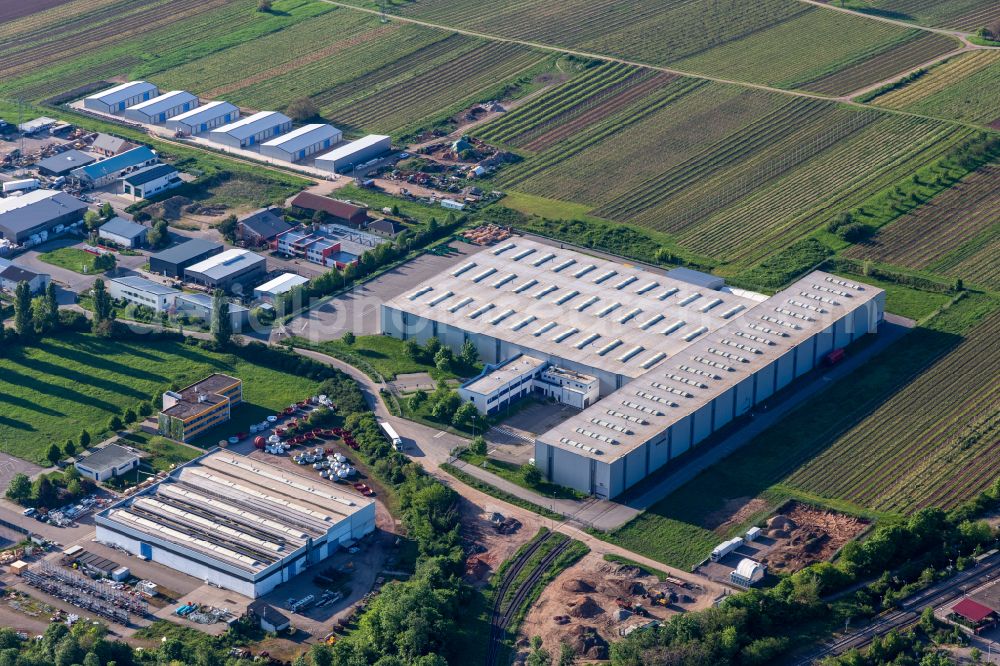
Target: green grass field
50	392
72	259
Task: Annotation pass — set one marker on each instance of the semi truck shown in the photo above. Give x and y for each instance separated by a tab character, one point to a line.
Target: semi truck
23	185
392	435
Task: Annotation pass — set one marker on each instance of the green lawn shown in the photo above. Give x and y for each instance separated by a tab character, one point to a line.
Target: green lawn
50	391
165	453
902	300
512	473
71	258
385	355
376	201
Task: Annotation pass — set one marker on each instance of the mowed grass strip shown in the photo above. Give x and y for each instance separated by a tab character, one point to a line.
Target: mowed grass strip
49	392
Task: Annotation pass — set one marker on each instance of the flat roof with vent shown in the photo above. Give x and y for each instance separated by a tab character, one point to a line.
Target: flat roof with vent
556	290
241	511
717	359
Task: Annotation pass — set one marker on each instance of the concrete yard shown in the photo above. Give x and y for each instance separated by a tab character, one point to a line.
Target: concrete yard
357	310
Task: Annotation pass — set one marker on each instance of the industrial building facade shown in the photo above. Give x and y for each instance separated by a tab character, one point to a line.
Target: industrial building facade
119	98
172	261
37	212
204	118
194	410
252	130
676	361
302	142
241	524
224	271
140	291
349	156
159	109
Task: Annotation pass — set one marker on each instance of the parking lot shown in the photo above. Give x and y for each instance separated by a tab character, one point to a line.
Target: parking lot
357	310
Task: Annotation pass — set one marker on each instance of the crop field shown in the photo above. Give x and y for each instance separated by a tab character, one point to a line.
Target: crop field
957	233
779	42
731	173
955	89
575	106
923	48
938	438
373	77
50	391
959	14
11	11
916	426
128	38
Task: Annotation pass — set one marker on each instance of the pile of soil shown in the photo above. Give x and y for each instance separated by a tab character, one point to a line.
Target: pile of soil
587	643
808	534
584	607
577	586
168	209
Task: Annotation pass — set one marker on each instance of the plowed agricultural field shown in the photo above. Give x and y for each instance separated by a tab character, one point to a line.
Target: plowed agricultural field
966	15
15	10
956	233
960	88
780	42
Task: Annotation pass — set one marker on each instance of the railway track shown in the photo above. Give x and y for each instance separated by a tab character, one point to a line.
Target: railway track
909	614
500	619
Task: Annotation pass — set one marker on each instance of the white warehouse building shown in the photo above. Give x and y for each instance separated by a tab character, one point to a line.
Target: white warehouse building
252	130
241	524
119	98
347	157
302	142
140	291
675	360
204	118
159	109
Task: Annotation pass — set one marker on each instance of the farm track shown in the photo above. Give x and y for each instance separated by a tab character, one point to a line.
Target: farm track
932	231
917	52
938	79
502	614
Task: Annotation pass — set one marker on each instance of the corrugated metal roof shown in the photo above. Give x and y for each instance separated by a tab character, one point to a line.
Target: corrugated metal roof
303	137
164	102
122	92
247	127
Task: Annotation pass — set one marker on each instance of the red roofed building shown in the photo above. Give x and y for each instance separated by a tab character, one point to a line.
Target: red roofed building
972	614
340	212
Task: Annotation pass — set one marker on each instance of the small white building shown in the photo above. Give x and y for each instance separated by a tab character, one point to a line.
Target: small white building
204	118
157	110
279	285
150	180
567	386
499	386
252	130
748	573
119	98
752	534
348	157
108	462
140	291
124	233
302	142
12	275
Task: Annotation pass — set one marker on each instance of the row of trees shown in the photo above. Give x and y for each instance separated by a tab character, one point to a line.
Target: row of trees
49	490
436	354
